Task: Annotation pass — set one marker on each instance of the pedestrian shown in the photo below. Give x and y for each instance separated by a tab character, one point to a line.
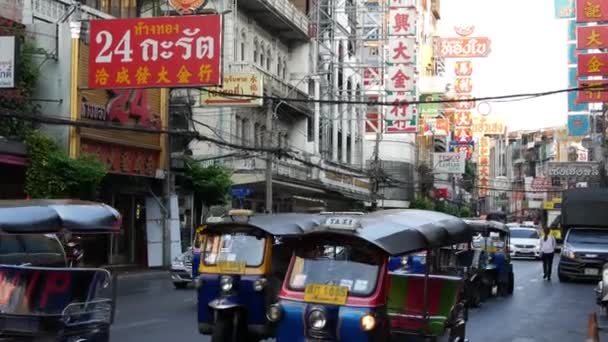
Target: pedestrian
547	249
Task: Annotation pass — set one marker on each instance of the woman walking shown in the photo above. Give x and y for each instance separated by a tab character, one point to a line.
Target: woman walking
547	249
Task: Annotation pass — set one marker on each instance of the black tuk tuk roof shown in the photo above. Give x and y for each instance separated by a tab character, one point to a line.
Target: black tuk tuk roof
485	225
585	207
273	224
399	231
55	216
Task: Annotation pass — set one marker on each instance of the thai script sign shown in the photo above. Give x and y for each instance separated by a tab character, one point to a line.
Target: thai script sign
234	85
591	10
156	52
573	169
447	162
8	57
483	125
464	47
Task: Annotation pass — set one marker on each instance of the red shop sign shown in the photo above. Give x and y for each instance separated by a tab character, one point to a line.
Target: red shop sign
593	64
156	52
592	37
599	94
591	10
123	159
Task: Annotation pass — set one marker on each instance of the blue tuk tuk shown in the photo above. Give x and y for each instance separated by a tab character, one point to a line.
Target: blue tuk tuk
55	303
242	265
339	287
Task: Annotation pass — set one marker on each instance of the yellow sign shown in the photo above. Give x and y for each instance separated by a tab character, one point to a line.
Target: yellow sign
487	125
326	294
234	85
232	267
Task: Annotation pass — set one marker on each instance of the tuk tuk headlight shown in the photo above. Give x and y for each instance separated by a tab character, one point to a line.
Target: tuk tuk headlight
259	284
368	322
226	283
274	313
404	261
317	319
605	275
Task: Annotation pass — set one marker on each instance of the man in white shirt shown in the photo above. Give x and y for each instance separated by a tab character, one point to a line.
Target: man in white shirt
547	250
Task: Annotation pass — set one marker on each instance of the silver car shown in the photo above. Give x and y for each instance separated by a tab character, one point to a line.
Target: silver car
181	269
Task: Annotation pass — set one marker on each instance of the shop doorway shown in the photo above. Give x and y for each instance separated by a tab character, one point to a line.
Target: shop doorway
129	246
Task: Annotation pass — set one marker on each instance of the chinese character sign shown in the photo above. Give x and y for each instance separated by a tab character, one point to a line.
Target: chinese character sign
592	37
593	64
467	149
591	10
402	108
483	166
462	118
463	68
564	9
234	85
401	77
402	126
402	21
402	50
463	135
156	52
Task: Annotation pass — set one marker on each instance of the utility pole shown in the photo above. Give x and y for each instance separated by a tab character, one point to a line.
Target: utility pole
376	171
269	157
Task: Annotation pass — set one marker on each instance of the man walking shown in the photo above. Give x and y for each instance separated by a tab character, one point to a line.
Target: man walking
547	250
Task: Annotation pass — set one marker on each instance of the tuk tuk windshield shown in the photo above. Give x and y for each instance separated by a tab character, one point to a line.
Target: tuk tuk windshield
336	265
244	248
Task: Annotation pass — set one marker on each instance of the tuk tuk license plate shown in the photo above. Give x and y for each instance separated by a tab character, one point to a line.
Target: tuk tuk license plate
592	271
326	294
233	267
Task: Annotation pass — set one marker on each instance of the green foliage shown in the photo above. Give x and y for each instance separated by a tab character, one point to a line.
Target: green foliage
425	179
468	178
53	174
422	203
211	184
465	212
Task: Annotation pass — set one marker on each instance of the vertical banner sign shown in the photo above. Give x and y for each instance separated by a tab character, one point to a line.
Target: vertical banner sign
578	125
564	9
401	116
593	64
592	37
8	56
588	11
158	52
483	166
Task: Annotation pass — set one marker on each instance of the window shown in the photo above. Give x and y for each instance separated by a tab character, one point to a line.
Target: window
117	8
262	60
284	69
234	248
245	131
42	244
279	66
10	245
257	135
268	60
243	42
262	136
255	51
238	128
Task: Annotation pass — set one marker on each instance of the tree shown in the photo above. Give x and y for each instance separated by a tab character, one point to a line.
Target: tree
210	184
422	203
425	179
468	178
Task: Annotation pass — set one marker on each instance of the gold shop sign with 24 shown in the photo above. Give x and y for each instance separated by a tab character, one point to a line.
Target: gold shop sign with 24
325	294
158	52
234	85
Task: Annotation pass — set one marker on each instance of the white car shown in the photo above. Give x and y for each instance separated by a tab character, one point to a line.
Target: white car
181	270
525	242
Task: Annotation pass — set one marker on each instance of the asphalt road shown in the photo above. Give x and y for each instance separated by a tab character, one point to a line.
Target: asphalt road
153	311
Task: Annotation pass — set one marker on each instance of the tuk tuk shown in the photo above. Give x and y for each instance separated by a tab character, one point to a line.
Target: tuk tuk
55	303
242	265
490	259
339	287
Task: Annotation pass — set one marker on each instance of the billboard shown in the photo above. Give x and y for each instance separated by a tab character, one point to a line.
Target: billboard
235	84
449	162
157	52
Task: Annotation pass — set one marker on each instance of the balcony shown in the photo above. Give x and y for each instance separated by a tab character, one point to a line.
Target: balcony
55	10
278	16
275	85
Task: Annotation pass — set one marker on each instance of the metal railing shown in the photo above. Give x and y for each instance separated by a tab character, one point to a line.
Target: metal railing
290	12
54	10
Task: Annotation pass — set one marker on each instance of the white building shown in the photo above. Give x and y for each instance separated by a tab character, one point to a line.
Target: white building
272	40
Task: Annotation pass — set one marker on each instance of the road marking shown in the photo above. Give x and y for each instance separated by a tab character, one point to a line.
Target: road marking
140	323
533	280
519	288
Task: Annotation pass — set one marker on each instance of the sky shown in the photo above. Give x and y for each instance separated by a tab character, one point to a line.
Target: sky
528	55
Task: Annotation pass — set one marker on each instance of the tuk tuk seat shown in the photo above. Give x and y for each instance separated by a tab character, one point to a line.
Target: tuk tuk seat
52	297
406	302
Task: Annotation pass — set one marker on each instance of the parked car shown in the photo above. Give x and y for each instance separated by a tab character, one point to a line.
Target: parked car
181	270
36	250
525	242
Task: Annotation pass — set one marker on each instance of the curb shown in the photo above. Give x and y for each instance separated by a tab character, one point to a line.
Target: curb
160	274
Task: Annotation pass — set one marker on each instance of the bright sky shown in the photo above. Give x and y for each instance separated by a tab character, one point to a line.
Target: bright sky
528	55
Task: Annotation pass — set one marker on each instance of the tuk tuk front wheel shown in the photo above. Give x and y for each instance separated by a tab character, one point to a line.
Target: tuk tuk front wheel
511	285
222	329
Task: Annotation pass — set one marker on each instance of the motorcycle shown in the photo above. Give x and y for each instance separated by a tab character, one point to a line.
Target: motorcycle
74	252
601	291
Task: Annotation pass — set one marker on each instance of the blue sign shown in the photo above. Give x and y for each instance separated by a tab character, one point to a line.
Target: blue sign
240	192
571	30
572	83
564	9
578	125
572	53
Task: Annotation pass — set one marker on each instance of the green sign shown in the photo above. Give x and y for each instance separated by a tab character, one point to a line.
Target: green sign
429	109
